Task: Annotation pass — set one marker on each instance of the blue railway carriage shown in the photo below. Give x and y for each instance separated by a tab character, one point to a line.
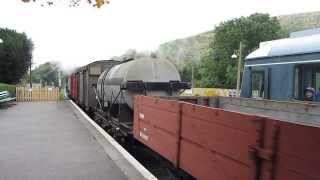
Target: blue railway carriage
284	69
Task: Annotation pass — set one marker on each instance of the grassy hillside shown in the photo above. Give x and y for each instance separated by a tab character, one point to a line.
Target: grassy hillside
192	48
298	22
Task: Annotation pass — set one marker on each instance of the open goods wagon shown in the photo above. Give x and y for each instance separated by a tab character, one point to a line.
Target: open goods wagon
219	143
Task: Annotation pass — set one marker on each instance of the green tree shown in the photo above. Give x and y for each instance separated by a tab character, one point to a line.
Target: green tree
217	67
15	55
46	73
186	72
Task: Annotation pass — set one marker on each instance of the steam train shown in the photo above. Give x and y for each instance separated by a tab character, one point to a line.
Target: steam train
106	89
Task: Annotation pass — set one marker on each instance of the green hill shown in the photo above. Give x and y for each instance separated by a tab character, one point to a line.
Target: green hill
192	48
301	21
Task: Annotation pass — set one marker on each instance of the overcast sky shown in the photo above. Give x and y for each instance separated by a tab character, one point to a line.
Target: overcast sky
77	36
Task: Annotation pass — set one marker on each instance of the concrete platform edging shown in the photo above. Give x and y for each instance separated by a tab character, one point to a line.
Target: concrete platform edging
127	164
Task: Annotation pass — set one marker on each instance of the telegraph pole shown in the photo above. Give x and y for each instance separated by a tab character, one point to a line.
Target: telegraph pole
192	76
239	69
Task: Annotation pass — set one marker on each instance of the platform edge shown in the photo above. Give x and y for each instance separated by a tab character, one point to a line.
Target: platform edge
136	165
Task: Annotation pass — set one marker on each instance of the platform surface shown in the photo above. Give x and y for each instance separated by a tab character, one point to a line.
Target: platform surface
47	140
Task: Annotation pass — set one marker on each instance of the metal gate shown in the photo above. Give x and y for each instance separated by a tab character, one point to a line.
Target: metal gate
26	94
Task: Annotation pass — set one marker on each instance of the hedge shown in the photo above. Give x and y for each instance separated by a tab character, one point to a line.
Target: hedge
8	87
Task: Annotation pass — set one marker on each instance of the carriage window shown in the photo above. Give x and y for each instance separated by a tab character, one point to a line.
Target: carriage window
317	81
307	80
257	84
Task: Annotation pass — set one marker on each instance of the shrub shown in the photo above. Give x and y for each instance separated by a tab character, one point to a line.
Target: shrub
8	87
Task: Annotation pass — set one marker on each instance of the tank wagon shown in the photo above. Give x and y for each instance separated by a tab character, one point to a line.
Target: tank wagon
117	87
283	69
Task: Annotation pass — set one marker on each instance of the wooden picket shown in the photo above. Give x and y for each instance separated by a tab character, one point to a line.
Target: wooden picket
25	94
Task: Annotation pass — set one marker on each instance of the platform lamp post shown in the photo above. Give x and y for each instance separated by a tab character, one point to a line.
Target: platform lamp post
235	55
30	77
190	57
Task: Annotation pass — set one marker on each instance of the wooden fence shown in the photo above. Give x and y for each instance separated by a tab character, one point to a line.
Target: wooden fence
37	94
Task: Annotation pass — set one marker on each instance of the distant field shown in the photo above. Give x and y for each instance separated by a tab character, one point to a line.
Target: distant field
8	87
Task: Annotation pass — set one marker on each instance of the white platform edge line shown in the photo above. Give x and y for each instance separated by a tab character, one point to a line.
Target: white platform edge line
145	173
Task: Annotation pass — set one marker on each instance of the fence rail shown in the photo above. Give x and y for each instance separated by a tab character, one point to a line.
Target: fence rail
210	92
37	94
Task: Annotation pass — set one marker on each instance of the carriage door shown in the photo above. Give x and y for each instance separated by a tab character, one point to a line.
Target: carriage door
260	82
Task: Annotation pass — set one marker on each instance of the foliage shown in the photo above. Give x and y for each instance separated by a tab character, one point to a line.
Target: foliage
71	3
46	74
186	72
8	87
179	50
62	95
299	22
15	55
200	47
217	67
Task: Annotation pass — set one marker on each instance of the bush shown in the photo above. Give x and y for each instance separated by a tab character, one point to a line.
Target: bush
8	87
61	95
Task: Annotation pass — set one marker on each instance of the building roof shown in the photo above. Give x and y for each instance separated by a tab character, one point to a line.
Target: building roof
288	46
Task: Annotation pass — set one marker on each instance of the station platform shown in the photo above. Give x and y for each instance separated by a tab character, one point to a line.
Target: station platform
57	141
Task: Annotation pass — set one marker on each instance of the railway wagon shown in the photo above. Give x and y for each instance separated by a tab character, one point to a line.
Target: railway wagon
300	112
88	77
84	80
74	93
218	139
73	89
116	88
283	69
